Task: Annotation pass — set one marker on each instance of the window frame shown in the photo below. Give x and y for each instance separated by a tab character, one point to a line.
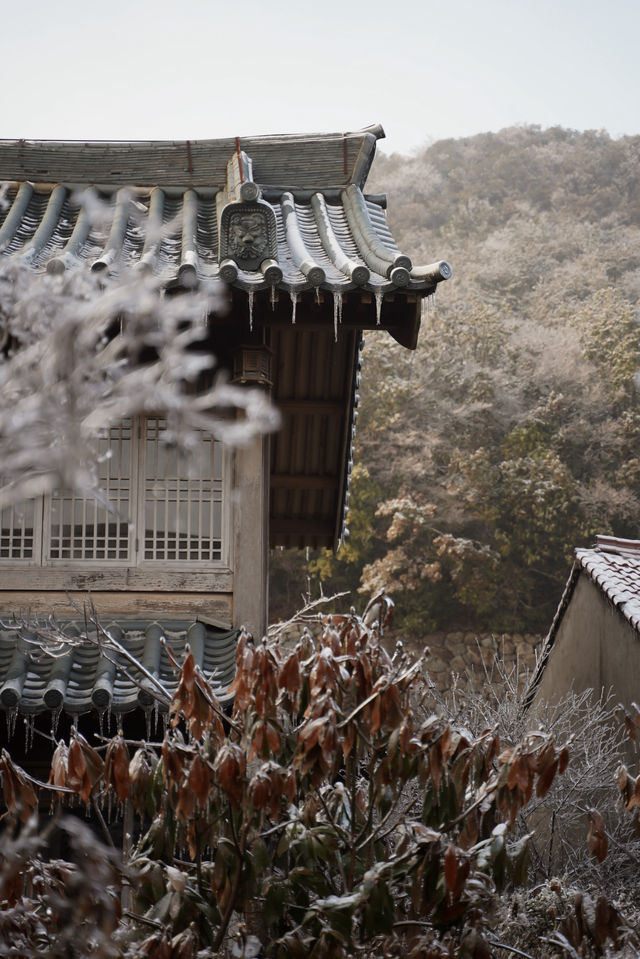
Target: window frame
43	529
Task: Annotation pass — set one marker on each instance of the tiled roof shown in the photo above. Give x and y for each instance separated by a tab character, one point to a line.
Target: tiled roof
176	210
83	679
614	565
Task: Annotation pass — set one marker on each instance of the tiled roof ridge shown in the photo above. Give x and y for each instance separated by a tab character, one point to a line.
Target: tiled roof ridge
615	544
321	159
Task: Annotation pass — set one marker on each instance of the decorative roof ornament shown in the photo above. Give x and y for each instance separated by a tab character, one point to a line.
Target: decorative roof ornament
247	223
247	235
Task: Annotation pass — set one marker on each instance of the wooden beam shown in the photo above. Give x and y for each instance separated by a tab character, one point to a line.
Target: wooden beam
311	407
291	481
110	606
111	579
303	526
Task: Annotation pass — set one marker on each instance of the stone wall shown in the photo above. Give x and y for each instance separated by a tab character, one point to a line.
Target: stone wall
465	654
457	653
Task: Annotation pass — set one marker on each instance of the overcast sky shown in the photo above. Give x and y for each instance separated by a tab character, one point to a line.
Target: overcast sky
170	69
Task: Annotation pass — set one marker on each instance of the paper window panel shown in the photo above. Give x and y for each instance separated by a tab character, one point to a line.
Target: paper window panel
182	500
19	528
87	528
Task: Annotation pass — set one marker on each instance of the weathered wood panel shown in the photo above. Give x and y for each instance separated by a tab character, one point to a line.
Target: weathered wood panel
140	605
109	579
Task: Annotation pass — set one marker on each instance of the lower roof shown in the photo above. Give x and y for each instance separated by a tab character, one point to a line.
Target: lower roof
84	679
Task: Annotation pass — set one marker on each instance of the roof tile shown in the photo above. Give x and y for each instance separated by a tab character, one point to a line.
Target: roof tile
82	680
614	565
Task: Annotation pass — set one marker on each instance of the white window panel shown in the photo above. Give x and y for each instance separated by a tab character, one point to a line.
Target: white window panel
20	533
157	509
91	529
182	500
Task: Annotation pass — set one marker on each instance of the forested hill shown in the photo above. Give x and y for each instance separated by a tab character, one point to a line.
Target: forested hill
513	434
525	214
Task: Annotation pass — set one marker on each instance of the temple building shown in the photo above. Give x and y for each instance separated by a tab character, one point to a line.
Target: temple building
308	264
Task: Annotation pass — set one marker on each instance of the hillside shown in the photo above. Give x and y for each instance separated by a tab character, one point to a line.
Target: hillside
513	434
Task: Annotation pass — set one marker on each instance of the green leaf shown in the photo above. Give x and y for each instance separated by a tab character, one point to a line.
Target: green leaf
261	857
274	902
518	860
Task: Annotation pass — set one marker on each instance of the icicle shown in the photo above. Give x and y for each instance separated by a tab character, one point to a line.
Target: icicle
156	707
101	722
294	301
12	718
318	295
378	296
273	298
109	718
55	719
250	295
147	719
75	720
337	313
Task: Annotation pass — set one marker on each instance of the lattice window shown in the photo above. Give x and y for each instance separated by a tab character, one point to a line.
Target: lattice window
20	531
182	501
87	529
158	508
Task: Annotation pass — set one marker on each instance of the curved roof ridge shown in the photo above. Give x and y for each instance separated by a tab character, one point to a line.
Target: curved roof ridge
290	160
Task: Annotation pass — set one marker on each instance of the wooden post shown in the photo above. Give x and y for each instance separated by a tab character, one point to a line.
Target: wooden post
251	536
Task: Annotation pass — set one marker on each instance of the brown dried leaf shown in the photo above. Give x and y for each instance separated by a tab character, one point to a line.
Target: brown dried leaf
229	766
140	769
563	759
93	762
596	837
348	739
116	768
450	868
19	794
289	678
469	834
171	764
546	778
58	774
199	779
273	738
435	765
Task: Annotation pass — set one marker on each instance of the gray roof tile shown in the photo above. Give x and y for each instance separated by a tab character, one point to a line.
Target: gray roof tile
83	680
329	235
614	565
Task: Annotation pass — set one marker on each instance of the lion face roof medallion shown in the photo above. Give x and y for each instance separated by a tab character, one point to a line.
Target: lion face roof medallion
248	234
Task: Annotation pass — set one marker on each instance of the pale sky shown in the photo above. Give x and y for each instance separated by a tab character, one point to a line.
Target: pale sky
155	69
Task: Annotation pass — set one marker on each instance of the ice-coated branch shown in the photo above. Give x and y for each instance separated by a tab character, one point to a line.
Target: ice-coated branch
80	352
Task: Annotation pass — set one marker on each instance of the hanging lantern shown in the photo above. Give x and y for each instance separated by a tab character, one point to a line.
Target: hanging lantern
252	364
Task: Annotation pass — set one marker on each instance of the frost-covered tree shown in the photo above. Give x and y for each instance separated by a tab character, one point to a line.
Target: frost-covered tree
81	351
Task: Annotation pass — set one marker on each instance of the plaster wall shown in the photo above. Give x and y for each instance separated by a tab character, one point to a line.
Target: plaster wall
594	648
